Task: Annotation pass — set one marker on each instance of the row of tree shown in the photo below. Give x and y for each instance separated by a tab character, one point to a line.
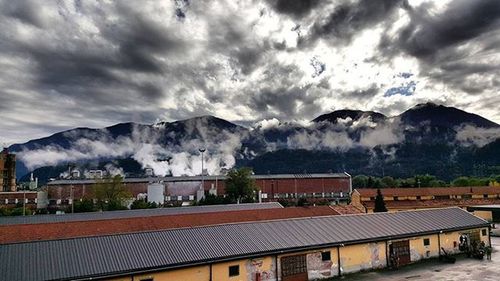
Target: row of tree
362	181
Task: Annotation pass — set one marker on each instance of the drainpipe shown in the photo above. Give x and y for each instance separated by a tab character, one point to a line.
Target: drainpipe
338	261
439	243
386	254
210	272
276	259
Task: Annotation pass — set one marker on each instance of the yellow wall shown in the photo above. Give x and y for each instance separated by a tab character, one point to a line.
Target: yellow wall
356	201
487	215
248	269
366	256
201	273
418	251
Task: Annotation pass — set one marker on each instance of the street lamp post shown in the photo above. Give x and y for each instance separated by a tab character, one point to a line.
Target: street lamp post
202	150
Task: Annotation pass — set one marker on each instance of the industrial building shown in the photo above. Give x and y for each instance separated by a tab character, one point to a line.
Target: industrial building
7	171
286	249
401	199
314	187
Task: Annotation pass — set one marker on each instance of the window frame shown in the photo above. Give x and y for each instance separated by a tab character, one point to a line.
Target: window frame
427	241
326	256
231	271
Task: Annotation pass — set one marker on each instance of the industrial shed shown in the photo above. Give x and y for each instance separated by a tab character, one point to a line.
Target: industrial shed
289	249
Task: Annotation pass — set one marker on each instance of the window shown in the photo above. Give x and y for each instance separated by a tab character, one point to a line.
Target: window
427	242
234	270
485	195
326	256
147	279
419	197
396	198
483	232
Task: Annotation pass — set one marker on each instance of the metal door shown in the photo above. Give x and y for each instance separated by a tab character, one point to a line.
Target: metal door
401	252
294	268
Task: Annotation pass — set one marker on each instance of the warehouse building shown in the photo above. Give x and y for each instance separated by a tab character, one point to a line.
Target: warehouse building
314	187
288	249
401	199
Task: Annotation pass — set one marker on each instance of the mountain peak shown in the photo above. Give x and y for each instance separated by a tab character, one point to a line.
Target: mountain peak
349	113
443	116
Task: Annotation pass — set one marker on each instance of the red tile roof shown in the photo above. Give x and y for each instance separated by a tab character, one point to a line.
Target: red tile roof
434	203
429	191
49	231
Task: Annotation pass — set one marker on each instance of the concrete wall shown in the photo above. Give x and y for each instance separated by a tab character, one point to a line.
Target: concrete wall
419	251
487	215
354	258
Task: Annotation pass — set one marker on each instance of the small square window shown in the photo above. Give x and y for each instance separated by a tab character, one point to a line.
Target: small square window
485	195
326	256
427	242
234	270
419	197
396	198
483	232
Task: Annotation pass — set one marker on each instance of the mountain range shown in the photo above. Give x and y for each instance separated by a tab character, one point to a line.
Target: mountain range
427	138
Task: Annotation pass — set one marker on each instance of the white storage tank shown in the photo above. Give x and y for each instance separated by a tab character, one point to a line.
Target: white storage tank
156	193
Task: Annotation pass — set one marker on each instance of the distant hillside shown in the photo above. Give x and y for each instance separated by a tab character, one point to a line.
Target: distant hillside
427	138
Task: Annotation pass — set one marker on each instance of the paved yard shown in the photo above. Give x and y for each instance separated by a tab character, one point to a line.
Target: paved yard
463	269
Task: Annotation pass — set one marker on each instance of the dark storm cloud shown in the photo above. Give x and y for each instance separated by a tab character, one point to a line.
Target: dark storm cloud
461	21
94	63
348	19
295	8
24	11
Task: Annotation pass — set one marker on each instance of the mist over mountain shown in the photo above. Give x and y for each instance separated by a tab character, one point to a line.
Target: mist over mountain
427	138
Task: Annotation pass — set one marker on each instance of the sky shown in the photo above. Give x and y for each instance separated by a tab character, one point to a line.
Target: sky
67	64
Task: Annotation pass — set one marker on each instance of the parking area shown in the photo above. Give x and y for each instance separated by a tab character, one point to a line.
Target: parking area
463	269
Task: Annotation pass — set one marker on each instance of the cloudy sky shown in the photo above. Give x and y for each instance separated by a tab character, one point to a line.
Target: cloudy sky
66	64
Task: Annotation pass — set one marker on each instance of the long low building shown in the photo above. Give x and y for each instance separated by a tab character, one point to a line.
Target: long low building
289	249
401	199
11	233
314	187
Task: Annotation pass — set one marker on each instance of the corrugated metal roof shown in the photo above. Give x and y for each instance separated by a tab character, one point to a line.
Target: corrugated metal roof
135	213
117	254
199	178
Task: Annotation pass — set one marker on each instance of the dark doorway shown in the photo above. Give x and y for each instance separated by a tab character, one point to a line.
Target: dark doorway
294	268
400	252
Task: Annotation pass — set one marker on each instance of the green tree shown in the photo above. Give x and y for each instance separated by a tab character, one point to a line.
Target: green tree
86	205
379	202
359	181
240	187
139	204
111	193
388	182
